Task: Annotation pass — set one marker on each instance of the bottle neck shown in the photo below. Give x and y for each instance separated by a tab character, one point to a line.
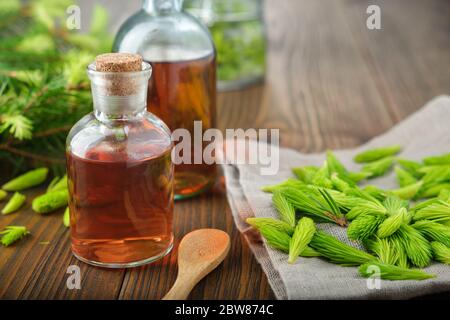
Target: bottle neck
108	105
119	95
158	7
118	108
108	117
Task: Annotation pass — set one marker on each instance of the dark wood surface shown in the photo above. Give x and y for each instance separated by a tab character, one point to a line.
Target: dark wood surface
331	83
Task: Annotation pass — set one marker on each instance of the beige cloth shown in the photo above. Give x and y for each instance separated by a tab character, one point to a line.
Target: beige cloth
425	133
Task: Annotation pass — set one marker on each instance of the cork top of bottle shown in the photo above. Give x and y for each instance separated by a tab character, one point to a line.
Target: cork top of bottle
118	74
118	62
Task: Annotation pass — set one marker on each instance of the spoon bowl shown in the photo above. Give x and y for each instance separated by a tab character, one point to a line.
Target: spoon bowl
199	252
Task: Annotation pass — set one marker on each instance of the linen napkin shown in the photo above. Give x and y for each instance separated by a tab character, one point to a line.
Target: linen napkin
424	133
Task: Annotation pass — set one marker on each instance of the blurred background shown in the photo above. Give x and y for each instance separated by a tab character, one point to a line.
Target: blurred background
118	11
330	81
236	26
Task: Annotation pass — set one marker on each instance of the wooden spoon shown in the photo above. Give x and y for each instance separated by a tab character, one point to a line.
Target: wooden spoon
199	253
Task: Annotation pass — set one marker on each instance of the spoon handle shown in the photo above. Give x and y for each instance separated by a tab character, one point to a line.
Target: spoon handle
180	289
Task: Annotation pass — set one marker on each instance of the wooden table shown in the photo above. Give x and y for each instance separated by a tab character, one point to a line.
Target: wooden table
331	83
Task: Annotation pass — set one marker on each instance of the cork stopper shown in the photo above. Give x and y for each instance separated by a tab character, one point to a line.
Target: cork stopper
118	83
118	62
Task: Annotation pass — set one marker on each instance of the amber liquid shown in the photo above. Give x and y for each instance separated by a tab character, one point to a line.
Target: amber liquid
180	93
121	209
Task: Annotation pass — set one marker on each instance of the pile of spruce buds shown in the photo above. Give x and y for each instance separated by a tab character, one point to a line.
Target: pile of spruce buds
402	229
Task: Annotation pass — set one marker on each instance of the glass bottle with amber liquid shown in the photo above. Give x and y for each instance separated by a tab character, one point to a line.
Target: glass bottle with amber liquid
183	87
120	173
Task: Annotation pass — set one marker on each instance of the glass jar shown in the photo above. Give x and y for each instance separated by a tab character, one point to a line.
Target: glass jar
183	87
237	29
120	175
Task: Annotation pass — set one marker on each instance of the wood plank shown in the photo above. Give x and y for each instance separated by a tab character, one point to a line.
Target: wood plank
409	58
19	261
50	278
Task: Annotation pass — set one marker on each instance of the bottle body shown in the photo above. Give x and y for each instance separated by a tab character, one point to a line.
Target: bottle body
120	178
183	86
187	97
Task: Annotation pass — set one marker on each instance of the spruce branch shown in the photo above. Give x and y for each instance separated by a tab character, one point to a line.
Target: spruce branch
31	155
44	88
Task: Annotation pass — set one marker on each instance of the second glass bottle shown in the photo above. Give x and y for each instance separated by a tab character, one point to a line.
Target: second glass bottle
183	87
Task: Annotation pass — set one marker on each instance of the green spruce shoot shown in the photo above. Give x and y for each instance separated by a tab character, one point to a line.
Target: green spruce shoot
392	223
50	201
284	208
14	204
376	154
27	180
390	272
433	231
417	248
404	178
304	231
280	225
441	252
364	226
379	167
66	217
338	252
316	203
3	194
12	234
408	192
437	160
